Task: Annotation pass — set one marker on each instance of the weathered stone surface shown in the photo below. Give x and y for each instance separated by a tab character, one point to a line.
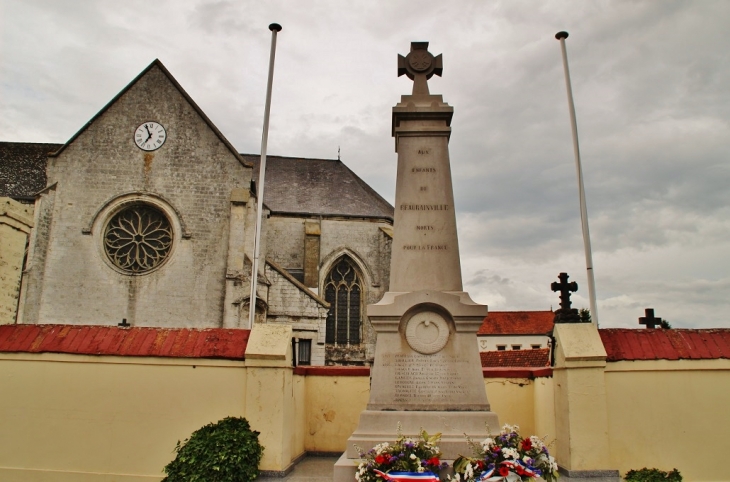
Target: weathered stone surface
16	221
101	166
426	373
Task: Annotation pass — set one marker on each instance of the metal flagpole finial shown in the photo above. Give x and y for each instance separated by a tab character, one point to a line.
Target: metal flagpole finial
275	27
561	35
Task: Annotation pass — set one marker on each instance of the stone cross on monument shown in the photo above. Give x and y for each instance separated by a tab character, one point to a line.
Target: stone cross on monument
427	372
419	66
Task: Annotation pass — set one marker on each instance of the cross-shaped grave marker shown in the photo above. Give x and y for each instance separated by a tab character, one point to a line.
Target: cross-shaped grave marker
565	289
650	321
565	314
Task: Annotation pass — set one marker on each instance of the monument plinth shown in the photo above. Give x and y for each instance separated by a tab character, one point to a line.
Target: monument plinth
427	372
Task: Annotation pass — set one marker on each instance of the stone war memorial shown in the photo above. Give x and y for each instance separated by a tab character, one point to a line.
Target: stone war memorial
426	373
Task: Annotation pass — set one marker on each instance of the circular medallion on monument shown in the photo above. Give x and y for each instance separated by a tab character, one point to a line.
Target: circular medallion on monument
420	60
427	332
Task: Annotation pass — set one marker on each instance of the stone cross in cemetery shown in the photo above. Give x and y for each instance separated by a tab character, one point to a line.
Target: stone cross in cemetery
650	321
565	314
427	371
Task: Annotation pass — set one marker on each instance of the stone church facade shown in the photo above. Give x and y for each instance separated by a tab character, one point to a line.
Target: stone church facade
147	216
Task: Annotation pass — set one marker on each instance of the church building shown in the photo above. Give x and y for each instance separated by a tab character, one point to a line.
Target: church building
146	217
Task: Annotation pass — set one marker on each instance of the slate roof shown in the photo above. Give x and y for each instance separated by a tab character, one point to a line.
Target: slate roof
321	187
657	344
517	323
23	168
135	341
536	358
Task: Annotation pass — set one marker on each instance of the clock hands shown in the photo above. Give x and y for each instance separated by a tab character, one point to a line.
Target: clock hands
155	136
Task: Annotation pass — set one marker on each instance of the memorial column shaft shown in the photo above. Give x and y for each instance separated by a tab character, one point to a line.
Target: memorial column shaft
425	251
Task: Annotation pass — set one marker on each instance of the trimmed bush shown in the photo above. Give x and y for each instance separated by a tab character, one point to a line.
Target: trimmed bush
653	475
225	451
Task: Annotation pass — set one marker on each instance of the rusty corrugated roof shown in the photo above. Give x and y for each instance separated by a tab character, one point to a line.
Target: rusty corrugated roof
658	344
517	323
135	341
536	358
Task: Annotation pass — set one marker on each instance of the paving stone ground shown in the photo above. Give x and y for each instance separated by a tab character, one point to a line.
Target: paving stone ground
310	469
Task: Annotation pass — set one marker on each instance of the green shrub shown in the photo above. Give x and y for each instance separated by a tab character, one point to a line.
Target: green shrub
653	475
225	451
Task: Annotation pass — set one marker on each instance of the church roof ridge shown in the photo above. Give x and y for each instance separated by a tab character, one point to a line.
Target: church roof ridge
318	187
157	63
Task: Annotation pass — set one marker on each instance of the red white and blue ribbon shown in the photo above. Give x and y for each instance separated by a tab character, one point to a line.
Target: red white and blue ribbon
408	476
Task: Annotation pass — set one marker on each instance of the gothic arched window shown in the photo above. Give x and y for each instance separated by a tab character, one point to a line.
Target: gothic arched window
343	291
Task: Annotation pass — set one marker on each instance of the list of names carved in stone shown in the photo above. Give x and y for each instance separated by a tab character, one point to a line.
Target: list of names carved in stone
426	378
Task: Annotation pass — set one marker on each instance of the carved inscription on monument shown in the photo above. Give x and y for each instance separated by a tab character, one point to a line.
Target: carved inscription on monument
425	247
424	207
426	378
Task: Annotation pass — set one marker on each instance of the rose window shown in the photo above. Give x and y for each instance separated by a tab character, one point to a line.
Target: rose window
138	239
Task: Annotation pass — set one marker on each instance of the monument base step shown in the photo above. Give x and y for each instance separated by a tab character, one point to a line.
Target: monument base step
345	468
382	426
589	475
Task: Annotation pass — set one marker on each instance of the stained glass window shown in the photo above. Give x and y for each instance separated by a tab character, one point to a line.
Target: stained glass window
342	290
138	238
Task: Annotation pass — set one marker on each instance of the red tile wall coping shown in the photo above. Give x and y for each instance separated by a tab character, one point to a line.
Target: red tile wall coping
494	372
332	371
516	372
534	358
517	323
659	344
116	341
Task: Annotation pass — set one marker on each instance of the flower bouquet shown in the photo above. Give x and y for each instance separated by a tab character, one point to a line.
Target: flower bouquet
506	457
408	459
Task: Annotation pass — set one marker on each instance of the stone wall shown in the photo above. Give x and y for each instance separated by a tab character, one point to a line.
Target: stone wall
367	242
52	407
190	178
16	221
291	302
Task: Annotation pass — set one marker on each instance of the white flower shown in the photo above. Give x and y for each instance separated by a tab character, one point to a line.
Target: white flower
507	428
469	472
421	469
380	448
537	442
413	457
487	443
510	453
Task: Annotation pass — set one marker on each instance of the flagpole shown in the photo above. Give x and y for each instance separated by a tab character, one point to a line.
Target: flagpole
275	28
561	36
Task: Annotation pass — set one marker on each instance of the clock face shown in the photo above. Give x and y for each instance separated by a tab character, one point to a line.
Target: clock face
150	136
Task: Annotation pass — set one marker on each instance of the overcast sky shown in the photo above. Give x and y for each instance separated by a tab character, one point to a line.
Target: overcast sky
651	82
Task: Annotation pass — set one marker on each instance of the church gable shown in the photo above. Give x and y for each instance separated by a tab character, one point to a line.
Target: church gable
139	229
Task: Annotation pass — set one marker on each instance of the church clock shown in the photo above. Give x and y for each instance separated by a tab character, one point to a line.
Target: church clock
150	136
